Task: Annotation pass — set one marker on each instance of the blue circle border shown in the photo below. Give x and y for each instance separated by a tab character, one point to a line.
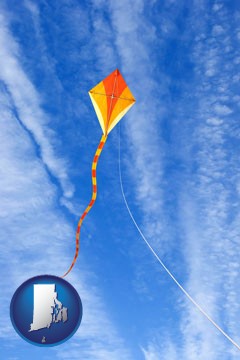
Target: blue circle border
23	285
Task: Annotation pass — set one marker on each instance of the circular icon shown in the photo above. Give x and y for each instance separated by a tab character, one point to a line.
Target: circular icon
46	310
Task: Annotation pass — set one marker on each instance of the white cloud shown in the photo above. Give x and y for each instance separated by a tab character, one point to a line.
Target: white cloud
222	109
215	121
207	207
164	351
217	30
217	7
27	102
32	7
34	231
128	21
205	198
146	170
210	242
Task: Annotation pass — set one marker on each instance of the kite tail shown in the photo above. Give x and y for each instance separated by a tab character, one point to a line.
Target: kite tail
93	199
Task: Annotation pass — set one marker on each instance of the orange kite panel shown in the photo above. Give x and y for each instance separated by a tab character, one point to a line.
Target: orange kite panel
111	99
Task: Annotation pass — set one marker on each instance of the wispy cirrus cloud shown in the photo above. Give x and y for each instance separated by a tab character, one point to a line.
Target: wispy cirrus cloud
166	350
210	215
34	230
28	107
133	33
181	166
33	233
204	195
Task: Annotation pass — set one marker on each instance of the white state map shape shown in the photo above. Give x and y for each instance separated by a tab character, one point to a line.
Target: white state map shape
47	309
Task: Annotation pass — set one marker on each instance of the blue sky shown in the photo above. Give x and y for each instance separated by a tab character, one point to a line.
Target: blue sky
180	168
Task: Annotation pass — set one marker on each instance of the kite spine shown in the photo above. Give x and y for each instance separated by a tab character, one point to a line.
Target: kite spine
93	199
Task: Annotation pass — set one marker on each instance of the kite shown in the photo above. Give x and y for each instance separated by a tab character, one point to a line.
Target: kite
111	99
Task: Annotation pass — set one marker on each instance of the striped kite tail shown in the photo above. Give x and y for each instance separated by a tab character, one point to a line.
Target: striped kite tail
93	199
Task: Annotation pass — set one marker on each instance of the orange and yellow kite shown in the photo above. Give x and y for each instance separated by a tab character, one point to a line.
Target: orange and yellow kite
111	99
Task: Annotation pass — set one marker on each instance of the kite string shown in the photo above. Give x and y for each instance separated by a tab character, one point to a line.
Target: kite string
160	261
93	199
